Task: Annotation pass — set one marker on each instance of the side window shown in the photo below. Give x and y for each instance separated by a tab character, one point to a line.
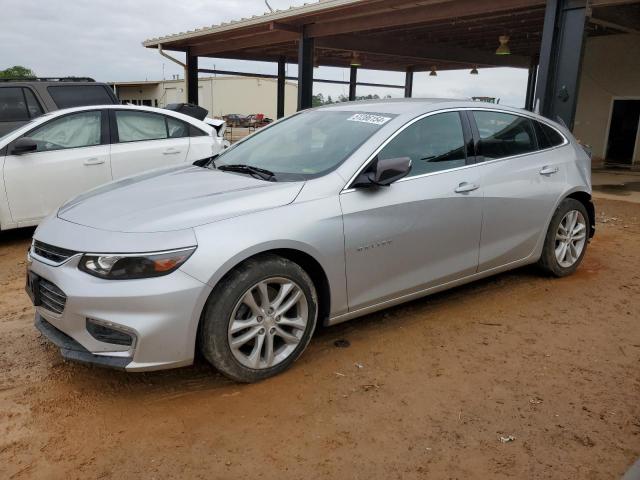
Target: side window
434	143
177	128
71	131
547	136
504	135
13	107
66	96
35	110
137	126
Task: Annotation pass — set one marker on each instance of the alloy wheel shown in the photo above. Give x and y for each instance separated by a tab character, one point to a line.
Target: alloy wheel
268	323
571	237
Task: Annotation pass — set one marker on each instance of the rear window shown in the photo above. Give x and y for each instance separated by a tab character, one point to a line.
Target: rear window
547	136
67	96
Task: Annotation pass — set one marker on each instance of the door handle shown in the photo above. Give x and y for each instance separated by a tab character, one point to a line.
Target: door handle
548	170
171	152
94	161
465	187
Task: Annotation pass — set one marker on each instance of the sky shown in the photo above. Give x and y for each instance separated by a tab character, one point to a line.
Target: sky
102	39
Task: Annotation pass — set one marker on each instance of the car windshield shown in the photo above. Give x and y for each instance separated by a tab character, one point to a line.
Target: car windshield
306	145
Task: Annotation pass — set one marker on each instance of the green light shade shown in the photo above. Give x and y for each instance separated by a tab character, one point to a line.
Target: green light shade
503	49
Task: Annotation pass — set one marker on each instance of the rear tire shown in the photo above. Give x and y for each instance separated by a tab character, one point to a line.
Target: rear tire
567	237
259	319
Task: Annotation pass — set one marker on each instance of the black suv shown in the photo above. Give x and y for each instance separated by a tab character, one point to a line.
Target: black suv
23	100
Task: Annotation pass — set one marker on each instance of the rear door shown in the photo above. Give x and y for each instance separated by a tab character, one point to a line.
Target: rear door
423	230
144	140
522	180
72	156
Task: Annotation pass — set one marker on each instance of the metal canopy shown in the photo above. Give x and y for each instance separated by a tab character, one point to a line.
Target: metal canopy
388	34
418	35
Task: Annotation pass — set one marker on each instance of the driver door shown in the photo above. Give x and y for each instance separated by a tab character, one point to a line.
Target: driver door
71	158
423	230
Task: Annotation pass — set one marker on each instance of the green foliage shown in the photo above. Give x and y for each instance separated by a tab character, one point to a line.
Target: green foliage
320	99
17	72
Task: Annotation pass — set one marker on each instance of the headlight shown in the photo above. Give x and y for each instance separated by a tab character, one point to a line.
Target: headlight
128	266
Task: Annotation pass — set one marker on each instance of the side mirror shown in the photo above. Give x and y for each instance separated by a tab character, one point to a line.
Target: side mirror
24	145
384	172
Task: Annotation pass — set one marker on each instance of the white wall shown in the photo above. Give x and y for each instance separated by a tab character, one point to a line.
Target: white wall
219	95
610	69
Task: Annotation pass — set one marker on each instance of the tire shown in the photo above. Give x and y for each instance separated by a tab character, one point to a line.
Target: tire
230	316
549	260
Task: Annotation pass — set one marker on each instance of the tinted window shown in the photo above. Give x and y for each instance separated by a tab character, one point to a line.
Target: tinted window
13	107
504	135
137	126
547	136
434	143
35	110
71	131
177	128
66	96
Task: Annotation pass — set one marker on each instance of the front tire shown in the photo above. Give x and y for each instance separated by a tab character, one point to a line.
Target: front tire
566	240
259	319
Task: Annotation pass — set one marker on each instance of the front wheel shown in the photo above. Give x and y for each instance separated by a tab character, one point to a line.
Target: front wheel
566	240
259	319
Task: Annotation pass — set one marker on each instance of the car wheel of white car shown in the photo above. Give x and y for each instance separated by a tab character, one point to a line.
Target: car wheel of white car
259	319
567	239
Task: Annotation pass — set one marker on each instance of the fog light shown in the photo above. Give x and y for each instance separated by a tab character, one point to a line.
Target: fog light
108	332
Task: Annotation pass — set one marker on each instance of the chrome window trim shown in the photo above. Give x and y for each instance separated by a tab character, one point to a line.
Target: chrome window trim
347	189
138	254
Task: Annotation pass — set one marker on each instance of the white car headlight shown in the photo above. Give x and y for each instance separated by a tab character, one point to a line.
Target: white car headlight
131	266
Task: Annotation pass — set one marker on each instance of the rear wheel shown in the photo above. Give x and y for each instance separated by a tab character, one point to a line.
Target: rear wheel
259	319
566	240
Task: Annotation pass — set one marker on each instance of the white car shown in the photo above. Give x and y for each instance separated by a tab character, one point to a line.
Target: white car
63	153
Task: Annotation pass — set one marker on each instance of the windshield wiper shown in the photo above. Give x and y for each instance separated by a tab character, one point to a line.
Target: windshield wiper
257	172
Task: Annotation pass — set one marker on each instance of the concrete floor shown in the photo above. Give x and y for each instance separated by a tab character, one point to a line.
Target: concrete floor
616	185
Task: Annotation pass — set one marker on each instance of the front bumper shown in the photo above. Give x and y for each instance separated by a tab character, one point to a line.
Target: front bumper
162	313
72	350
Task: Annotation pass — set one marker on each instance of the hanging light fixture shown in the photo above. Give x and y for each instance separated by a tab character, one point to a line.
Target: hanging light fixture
503	49
474	70
355	60
434	72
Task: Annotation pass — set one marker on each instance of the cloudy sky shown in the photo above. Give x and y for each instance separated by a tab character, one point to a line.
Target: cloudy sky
102	39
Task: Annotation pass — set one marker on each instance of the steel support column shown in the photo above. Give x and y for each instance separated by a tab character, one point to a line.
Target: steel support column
191	78
281	84
531	84
561	55
305	71
408	83
353	82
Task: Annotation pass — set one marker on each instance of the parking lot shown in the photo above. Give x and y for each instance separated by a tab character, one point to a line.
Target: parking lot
516	376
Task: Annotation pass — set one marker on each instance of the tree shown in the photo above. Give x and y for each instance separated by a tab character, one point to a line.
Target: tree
17	72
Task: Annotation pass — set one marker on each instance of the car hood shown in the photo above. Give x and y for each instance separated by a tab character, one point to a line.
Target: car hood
175	199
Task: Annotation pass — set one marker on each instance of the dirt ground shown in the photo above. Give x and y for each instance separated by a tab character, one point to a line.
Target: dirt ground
426	390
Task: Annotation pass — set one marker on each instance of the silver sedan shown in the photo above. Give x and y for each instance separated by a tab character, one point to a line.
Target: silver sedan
324	216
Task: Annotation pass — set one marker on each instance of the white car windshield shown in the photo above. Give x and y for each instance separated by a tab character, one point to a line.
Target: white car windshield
306	145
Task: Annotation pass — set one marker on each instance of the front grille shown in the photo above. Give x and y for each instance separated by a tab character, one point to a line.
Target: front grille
51	297
55	254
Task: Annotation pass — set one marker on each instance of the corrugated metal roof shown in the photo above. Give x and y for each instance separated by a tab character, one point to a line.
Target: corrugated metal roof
307	8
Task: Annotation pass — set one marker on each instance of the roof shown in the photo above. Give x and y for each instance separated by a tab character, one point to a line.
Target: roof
389	34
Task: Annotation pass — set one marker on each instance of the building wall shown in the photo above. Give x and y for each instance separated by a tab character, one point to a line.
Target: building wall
219	95
610	69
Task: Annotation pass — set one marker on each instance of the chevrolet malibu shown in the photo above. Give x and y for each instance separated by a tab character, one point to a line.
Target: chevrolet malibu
325	216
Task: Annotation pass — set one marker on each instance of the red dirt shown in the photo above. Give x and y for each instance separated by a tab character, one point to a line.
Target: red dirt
554	363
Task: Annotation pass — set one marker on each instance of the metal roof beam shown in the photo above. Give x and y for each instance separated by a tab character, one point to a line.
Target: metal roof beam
422	52
416	15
